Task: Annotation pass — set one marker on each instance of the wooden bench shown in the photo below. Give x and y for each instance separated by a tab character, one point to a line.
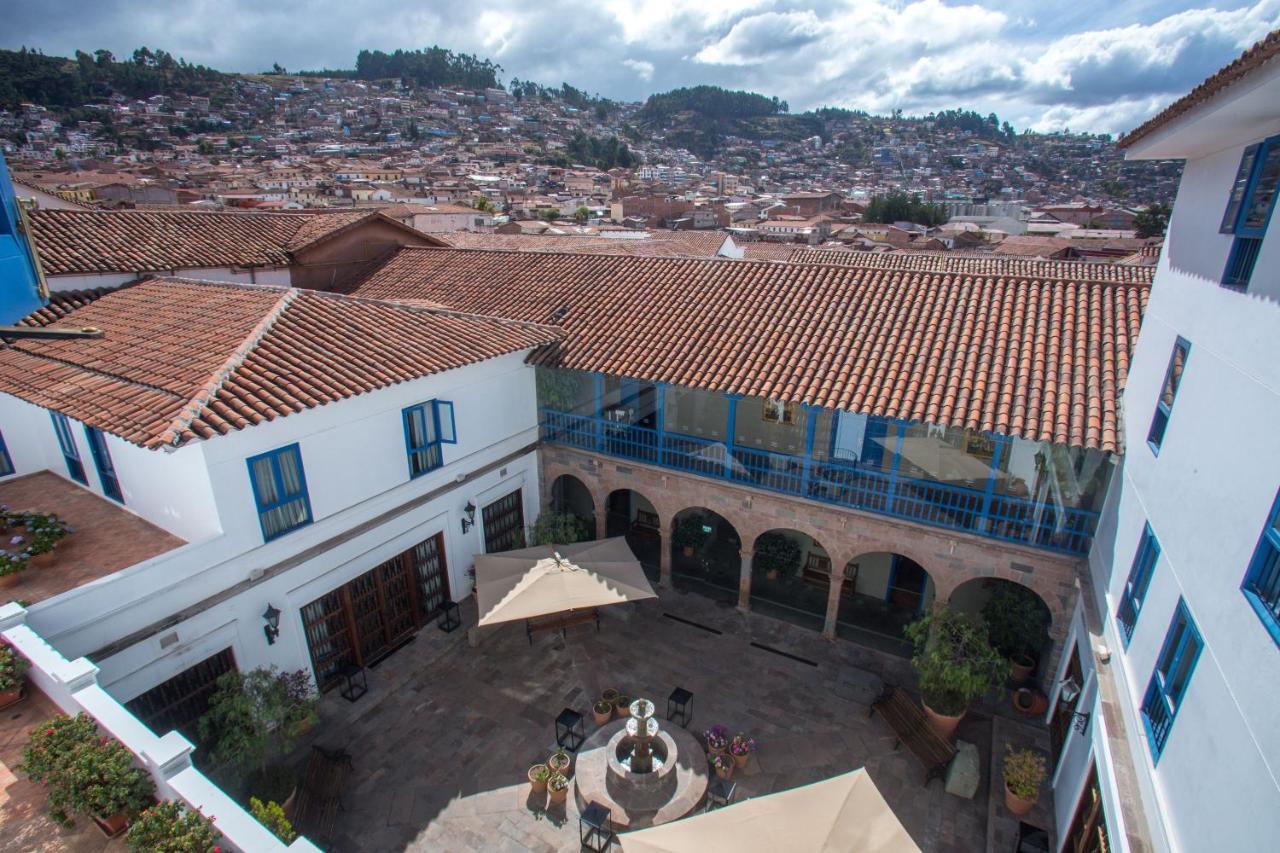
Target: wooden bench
320	795
560	622
909	723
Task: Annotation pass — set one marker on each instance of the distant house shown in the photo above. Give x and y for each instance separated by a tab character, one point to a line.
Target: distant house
1027	246
442	218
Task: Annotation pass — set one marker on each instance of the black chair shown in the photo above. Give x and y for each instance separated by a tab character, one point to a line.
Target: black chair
595	830
448	617
569	730
720	792
680	704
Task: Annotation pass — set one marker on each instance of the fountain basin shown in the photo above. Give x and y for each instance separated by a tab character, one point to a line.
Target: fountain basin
666	793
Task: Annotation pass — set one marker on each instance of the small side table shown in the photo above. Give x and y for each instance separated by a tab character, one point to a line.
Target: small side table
569	730
449	616
680	704
594	828
720	792
357	682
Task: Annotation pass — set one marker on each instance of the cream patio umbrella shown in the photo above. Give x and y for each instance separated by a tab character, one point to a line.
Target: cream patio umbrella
549	579
843	814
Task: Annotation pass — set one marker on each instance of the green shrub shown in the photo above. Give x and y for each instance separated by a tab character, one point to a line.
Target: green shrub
954	660
13	667
558	528
776	552
272	816
84	772
171	827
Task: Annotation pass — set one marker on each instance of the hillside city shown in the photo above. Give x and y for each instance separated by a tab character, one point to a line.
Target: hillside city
529	159
405	457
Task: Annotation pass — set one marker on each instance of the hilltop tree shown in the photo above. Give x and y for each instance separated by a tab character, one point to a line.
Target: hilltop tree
898	206
1152	220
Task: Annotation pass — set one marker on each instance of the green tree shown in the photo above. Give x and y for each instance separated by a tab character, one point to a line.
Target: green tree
582	214
1153	220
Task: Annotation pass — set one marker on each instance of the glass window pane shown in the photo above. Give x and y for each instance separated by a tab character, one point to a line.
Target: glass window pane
1175	375
1238	188
444	417
770	425
417	428
264	484
290	471
1178	682
699	413
1264	190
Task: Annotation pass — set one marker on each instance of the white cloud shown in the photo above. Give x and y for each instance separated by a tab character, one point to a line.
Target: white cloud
643	69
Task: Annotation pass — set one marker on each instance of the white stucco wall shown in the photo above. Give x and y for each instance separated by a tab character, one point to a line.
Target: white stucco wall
1206	496
89	281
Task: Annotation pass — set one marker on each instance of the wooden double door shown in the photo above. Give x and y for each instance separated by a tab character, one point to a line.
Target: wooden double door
369	617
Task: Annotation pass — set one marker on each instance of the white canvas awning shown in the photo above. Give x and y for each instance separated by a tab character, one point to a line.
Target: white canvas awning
843	814
550	579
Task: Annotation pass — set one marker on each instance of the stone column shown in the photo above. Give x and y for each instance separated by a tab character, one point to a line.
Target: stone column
602	524
833	605
664	555
744	582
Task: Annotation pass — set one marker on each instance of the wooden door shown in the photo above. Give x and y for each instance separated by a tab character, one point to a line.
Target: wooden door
432	574
327	625
1088	832
367	613
504	523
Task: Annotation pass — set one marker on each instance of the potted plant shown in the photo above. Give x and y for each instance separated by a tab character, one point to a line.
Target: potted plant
717	738
560	762
13	560
622	706
254	717
688	534
955	664
741	748
272	816
557	788
776	553
1017	623
557	528
171	827
609	695
602	711
723	764
538	774
13	669
298	713
1024	771
86	773
43	534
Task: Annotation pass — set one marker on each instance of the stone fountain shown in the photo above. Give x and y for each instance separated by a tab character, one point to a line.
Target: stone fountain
644	774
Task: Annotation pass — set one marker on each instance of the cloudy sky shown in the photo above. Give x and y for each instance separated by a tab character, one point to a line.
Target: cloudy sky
1100	65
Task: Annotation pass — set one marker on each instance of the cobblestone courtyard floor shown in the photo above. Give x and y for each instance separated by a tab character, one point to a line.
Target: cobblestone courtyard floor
443	738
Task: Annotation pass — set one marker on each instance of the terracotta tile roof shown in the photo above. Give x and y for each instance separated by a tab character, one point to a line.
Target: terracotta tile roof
95	241
1262	53
668	244
771	251
62	303
184	359
1041	358
975	264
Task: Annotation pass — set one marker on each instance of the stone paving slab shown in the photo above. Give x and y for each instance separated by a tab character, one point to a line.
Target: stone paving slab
442	740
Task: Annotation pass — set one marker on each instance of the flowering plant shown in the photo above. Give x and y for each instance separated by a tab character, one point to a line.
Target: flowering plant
171	827
557	782
722	761
43	531
12	666
1024	772
742	745
717	737
84	772
12	562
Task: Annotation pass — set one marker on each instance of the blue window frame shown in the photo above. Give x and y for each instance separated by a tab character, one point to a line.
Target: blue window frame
427	426
70	453
6	464
1135	587
1169	679
280	491
1249	208
102	461
1262	583
1168	393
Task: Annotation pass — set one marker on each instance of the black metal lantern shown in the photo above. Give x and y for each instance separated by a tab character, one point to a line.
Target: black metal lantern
272	628
469	519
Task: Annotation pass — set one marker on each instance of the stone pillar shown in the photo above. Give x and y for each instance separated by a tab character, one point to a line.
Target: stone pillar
744	582
833	605
602	524
664	554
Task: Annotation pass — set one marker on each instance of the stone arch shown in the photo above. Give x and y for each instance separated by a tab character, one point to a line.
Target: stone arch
706	553
1011	611
630	514
790	576
570	495
882	593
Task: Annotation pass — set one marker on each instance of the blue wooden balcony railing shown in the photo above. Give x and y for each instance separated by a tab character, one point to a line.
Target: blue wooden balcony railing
996	516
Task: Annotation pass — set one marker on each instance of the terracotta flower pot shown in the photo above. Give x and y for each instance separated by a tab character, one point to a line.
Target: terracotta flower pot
1030	702
724	772
113	825
538	787
601	717
11	697
14	579
554	796
622	707
1020	669
1016	804
687	550
609	695
945	726
42	561
740	761
565	769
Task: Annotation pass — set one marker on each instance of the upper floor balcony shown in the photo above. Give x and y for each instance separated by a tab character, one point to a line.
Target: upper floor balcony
1016	490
